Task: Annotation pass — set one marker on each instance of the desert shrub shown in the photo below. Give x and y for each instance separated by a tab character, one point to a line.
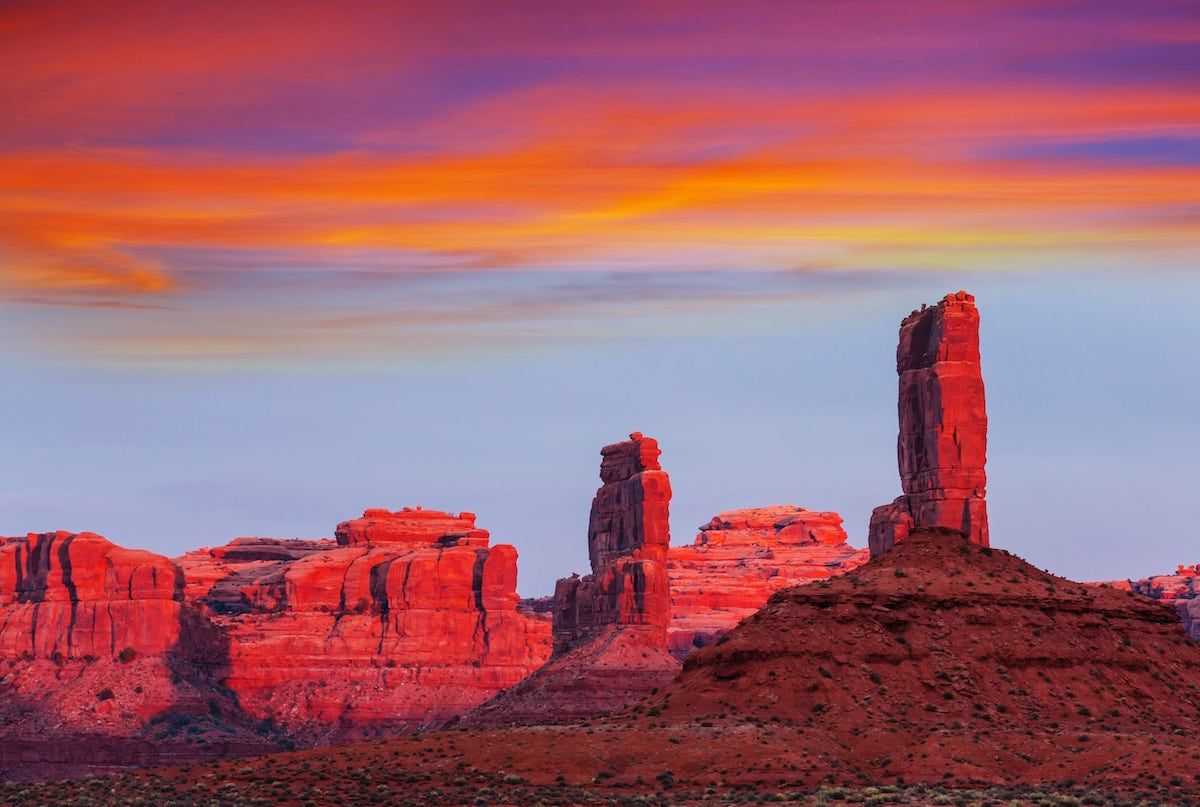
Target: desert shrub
105	694
127	655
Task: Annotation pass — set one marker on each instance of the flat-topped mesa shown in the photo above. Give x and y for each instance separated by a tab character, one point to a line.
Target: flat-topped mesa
942	444
628	538
740	558
772	526
411	525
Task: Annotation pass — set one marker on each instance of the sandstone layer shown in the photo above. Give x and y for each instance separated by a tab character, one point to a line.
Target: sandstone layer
742	557
409	619
95	640
406	620
942	443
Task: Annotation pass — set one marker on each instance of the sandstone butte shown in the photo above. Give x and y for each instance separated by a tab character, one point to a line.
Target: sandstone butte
410	618
942	444
117	655
940	662
610	626
740	559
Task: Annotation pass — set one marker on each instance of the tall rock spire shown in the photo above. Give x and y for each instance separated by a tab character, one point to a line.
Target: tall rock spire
610	626
628	537
942	446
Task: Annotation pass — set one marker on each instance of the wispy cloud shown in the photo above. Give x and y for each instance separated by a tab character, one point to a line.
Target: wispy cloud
184	156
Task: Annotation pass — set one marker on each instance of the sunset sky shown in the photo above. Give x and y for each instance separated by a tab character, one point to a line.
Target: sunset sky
263	265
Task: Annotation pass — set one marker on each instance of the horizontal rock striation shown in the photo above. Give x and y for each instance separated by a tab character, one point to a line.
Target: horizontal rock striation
741	558
1180	590
409	619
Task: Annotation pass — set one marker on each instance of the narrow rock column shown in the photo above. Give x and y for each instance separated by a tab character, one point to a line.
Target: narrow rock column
942	445
628	538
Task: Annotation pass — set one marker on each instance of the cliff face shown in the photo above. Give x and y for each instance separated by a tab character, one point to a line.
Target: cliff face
610	627
943	663
70	596
741	558
942	445
628	539
405	621
409	619
95	640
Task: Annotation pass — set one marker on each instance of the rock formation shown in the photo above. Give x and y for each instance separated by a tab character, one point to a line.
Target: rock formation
409	619
628	539
95	640
71	596
940	662
610	627
406	620
1180	591
740	559
942	445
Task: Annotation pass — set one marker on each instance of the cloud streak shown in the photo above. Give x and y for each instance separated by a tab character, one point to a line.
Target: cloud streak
177	152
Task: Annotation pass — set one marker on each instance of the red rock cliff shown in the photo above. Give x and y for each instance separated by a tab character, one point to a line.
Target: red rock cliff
741	558
610	627
95	639
942	445
408	620
70	596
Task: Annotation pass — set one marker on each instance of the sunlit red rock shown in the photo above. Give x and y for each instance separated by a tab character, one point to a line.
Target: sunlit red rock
409	619
628	539
610	627
69	596
95	640
115	652
942	445
411	525
741	558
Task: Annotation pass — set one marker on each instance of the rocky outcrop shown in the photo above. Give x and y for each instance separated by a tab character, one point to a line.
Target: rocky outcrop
1180	590
408	619
70	596
954	666
96	641
411	525
740	559
942	445
610	627
628	539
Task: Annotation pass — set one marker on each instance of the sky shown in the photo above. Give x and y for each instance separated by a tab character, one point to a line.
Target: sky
265	265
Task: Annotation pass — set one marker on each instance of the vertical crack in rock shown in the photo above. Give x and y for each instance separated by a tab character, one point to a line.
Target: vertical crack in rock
379	593
481	556
64	562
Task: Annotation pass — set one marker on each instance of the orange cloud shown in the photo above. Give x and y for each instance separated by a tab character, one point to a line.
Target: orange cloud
431	139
